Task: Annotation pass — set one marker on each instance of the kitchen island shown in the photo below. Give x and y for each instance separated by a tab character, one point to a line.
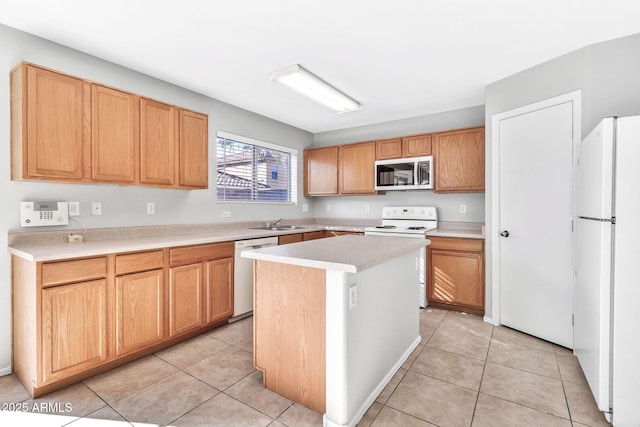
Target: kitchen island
334	319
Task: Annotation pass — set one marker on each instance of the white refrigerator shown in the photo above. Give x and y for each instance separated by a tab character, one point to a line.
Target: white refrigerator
607	263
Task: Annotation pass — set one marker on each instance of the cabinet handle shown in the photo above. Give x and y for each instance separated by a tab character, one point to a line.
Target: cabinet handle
505	233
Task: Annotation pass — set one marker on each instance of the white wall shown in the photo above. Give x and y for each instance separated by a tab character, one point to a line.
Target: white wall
124	206
448	204
607	74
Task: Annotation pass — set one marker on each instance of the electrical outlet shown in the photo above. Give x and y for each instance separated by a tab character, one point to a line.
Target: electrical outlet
366	208
96	208
353	296
305	207
226	214
463	208
328	207
74	208
151	208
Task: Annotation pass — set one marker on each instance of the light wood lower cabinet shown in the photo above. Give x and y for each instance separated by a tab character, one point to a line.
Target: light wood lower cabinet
76	318
456	273
139	311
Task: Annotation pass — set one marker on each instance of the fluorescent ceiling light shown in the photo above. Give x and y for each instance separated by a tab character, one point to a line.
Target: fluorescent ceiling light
299	79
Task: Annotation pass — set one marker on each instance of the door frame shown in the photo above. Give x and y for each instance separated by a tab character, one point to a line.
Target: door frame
575	98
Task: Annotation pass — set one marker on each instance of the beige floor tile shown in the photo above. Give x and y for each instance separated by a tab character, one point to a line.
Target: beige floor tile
570	370
165	400
235	332
582	405
511	336
130	378
299	416
413	356
531	390
491	411
191	351
425	333
11	390
224	368
370	415
433	400
246	345
76	400
460	343
467	323
524	358
453	368
389	417
223	410
432	317
277	423
562	351
391	386
250	391
106	413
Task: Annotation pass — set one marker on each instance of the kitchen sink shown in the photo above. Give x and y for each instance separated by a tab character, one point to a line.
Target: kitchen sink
281	227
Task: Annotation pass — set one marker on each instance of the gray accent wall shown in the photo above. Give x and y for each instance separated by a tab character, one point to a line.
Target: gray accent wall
125	205
608	74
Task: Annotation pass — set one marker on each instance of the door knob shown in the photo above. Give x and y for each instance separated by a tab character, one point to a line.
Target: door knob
505	233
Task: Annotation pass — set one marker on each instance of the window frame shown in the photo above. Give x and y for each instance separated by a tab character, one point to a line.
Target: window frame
293	168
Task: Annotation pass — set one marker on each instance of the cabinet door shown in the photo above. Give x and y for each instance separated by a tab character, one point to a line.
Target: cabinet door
459	161
194	157
456	278
389	149
158	143
74	328
114	135
139	308
289	238
357	168
219	286
321	171
416	146
56	117
185	299
312	235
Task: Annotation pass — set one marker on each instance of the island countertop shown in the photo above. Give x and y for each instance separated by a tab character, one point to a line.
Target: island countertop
349	254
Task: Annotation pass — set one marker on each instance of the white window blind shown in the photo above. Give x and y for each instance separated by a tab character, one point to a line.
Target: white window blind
255	171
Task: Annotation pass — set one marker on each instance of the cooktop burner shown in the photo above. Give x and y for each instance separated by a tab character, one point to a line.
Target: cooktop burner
386	226
416	228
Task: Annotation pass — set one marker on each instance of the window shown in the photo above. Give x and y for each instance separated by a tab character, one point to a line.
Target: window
255	171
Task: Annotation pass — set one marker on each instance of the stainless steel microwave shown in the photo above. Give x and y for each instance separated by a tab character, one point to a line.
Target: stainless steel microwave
413	173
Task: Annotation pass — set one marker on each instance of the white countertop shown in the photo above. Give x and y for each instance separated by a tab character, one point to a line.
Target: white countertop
349	254
453	232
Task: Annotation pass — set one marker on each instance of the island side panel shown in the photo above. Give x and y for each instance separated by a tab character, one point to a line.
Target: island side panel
289	331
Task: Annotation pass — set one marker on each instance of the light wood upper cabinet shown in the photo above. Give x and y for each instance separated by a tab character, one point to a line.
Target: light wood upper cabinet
321	171
416	146
194	150
459	161
68	129
50	115
456	273
114	135
356	168
389	149
158	143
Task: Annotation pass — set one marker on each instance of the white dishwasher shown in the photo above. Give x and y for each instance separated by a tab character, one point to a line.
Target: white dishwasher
243	276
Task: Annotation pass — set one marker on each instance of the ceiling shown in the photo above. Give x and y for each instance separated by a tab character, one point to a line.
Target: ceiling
399	59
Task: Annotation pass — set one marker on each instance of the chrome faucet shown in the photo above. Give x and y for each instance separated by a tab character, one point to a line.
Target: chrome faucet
272	224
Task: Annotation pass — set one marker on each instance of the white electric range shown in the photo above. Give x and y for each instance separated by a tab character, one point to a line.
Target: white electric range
408	222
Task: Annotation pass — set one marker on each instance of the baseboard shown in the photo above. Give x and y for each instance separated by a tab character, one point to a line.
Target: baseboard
5	371
376	392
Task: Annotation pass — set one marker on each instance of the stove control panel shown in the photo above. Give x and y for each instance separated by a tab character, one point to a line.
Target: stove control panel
409	212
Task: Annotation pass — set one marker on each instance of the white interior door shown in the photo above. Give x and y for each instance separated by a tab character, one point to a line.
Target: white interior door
535	271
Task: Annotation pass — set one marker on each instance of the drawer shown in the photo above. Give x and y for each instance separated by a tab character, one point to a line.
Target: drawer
143	261
55	273
193	254
456	244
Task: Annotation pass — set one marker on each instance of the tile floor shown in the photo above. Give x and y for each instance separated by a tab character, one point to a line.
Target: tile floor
464	373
